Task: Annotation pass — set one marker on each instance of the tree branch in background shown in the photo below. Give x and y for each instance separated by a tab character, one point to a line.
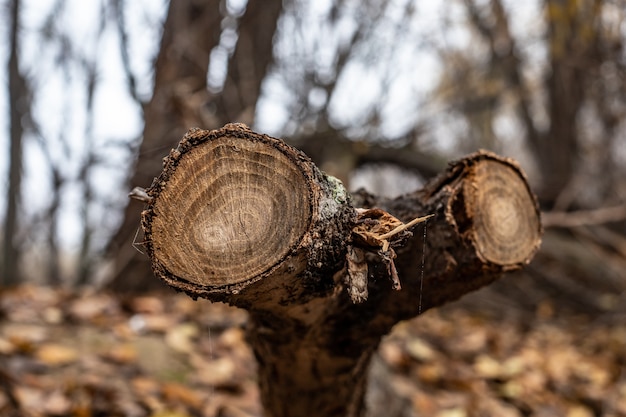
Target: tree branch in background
122	31
584	217
248	65
340	156
504	56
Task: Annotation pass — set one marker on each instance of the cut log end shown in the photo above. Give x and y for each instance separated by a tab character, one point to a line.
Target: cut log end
230	207
506	230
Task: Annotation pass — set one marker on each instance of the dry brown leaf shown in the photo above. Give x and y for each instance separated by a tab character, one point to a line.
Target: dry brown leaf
513	366
512	389
181	393
219	372
487	367
148	304
423	404
159	323
24	336
233	338
185	305
452	412
147	391
57	404
580	411
394	356
91	307
30	399
431	372
53	354
180	338
52	315
471	341
169	413
145	386
6	347
420	350
122	354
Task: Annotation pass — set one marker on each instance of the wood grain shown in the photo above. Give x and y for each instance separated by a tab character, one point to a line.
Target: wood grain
232	210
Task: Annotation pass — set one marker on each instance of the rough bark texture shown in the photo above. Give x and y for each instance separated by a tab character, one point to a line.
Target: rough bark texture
243	218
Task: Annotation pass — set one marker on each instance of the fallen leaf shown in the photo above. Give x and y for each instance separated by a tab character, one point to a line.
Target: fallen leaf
580	411
168	413
29	399
420	350
219	372
393	355
431	372
173	391
233	338
180	338
147	304
159	323
57	404
53	355
53	315
25	334
90	307
487	367
145	386
6	347
122	354
453	412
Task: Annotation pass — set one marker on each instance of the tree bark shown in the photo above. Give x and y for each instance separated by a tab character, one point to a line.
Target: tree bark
19	103
243	218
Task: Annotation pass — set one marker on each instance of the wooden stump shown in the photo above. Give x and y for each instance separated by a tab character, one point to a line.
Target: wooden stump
243	218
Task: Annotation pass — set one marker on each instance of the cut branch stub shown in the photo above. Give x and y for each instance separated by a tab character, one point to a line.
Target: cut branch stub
495	210
233	207
506	224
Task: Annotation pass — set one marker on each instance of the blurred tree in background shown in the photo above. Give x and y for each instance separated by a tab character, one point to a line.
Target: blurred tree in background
377	93
18	107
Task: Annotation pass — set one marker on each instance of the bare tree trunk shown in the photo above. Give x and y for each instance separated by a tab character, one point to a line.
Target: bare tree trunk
572	40
249	64
18	107
243	218
85	261
52	216
181	101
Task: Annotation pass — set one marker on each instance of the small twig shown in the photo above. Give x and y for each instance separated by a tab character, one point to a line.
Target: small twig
136	244
403	227
583	217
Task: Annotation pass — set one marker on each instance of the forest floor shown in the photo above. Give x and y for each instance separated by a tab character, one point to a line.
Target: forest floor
165	355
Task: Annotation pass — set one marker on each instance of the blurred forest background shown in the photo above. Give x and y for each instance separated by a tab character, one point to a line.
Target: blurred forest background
380	94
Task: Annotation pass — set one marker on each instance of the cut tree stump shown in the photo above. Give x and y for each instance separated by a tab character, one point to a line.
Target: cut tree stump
245	219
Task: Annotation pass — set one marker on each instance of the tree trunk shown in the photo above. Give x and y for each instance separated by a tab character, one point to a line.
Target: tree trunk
243	218
572	36
181	100
19	104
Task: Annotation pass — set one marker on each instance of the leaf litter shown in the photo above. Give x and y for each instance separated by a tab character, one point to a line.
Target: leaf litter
165	355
